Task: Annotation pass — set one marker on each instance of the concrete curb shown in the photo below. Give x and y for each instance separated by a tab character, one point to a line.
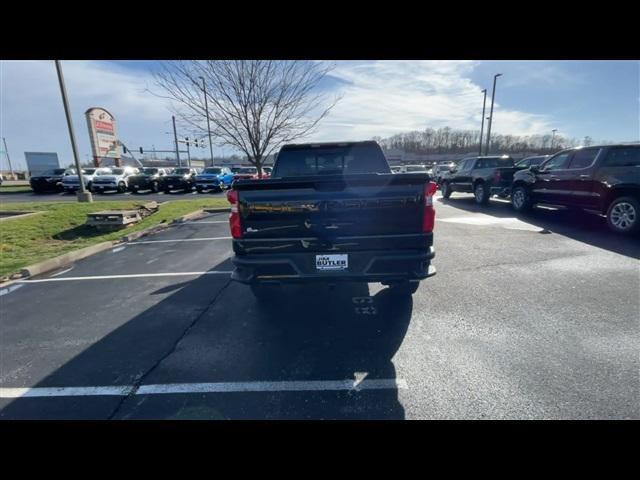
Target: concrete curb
64	260
217	210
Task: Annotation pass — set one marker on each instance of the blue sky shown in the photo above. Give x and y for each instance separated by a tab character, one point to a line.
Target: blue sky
600	99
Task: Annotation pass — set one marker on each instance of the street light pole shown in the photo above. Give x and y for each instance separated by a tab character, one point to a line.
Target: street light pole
83	195
484	104
175	139
206	109
493	96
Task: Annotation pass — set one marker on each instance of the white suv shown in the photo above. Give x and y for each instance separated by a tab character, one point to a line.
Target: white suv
116	180
71	183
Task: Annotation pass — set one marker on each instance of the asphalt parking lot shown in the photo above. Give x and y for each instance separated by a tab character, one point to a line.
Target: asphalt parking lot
106	196
529	317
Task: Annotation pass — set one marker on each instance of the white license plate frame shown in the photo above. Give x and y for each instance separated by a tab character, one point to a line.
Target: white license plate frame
331	262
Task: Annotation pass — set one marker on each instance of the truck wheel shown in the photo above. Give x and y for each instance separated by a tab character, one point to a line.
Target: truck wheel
520	199
121	187
199	189
404	288
154	187
133	189
623	215
446	190
481	193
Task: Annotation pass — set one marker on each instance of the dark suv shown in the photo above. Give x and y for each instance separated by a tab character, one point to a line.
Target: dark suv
600	179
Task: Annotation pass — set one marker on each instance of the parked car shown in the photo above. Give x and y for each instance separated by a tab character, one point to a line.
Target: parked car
439	170
332	212
482	176
214	178
116	180
415	169
147	178
529	161
71	183
183	178
396	169
51	180
246	173
267	171
600	179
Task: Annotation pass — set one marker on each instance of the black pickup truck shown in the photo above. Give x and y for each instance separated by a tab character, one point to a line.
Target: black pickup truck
482	176
601	179
332	212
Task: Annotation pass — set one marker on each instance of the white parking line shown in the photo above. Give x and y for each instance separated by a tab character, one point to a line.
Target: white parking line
220	387
65	391
182	240
205	221
135	275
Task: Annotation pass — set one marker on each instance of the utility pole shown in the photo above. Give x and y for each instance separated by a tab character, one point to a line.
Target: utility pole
6	151
484	103
206	109
493	97
83	195
553	136
188	152
175	139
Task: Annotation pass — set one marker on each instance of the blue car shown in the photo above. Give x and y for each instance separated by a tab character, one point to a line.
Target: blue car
214	178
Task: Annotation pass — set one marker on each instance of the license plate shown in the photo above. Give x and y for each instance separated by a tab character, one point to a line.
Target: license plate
332	262
170	186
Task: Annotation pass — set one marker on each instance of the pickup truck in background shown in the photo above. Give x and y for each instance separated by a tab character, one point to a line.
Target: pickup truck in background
214	178
482	176
182	178
147	178
332	212
71	183
114	180
601	179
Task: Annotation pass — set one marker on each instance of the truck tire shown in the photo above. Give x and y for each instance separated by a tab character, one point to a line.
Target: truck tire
199	189
481	193
446	190
404	288
121	187
154	187
623	215
520	199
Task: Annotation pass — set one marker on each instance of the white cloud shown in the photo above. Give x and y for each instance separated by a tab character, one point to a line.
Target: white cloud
387	97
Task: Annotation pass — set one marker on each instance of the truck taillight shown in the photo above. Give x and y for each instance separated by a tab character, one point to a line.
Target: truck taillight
234	217
429	218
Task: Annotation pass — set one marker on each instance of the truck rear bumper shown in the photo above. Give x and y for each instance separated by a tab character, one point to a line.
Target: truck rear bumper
364	266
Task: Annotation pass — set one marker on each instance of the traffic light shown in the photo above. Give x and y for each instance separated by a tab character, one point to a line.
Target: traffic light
187	140
124	149
196	142
141	152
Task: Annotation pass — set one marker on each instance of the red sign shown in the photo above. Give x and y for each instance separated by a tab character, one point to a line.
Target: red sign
104	126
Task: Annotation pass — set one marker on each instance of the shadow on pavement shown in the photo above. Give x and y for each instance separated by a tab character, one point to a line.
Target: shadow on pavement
213	330
575	224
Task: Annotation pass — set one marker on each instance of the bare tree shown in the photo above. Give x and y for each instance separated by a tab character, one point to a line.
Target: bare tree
255	106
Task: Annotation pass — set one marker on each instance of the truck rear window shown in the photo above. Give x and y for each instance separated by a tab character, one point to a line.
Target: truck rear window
349	159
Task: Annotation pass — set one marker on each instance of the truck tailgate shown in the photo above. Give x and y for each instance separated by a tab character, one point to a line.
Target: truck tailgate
331	213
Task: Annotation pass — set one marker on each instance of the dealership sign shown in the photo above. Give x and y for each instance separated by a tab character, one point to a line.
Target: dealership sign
102	132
